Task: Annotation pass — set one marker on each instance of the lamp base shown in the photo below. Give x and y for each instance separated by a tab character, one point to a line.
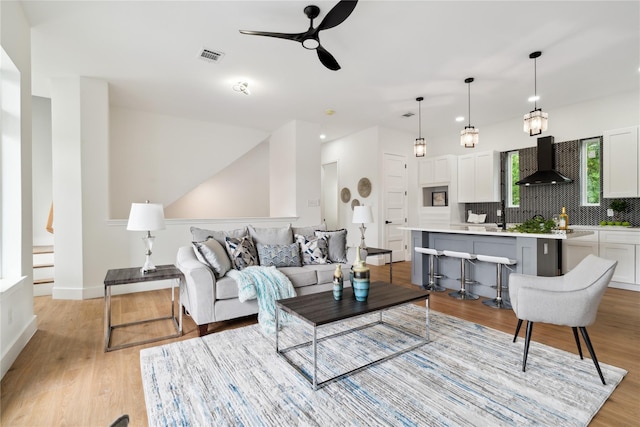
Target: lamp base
148	266
363	245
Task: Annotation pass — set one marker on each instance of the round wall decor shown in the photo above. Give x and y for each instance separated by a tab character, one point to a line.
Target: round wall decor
364	187
354	203
345	195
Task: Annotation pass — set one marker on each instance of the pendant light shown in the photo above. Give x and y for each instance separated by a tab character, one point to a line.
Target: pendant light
469	136
420	146
535	122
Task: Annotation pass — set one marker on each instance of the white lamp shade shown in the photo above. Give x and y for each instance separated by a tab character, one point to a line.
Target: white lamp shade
146	217
362	215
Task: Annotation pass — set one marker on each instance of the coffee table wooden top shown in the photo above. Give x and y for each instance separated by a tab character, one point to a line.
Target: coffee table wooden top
321	308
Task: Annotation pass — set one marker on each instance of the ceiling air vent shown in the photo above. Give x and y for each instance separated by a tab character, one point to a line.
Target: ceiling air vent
409	114
210	55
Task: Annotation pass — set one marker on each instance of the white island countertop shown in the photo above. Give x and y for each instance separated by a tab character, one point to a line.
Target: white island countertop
482	230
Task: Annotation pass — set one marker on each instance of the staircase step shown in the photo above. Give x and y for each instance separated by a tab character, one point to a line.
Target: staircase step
46	265
42	281
43	249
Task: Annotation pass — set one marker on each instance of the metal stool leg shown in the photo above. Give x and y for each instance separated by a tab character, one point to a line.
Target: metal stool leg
498	302
433	286
462	294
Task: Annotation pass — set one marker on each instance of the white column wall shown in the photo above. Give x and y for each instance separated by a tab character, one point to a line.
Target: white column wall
17	320
282	171
42	185
84	247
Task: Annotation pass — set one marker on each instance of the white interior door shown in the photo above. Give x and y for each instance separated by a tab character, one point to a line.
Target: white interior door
329	205
395	204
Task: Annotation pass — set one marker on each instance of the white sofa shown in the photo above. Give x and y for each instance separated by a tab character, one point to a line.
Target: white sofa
209	296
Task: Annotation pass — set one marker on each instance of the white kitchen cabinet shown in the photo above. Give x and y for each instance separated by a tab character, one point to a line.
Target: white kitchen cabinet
479	177
621	163
435	170
621	246
575	249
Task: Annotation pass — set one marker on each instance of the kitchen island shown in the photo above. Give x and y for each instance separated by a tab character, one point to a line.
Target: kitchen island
536	254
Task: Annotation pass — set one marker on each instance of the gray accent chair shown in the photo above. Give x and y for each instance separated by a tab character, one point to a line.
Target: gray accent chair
570	300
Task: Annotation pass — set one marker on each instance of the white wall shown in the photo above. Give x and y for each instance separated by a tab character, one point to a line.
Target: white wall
42	187
17	320
358	156
239	190
161	158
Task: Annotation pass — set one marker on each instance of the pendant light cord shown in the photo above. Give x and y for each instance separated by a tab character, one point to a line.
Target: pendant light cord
535	83
469	104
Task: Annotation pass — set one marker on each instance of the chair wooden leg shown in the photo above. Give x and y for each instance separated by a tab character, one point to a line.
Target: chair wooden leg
587	341
526	345
575	335
517	330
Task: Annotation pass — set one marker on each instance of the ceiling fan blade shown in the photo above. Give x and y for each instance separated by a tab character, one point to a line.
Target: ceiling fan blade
327	59
338	14
295	37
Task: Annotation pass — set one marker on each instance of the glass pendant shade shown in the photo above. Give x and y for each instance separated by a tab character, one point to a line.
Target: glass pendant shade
536	122
420	147
469	137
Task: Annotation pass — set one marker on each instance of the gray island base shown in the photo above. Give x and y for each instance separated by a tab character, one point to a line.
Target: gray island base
536	254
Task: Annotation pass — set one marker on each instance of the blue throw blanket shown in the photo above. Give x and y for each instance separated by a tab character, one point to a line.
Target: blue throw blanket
267	285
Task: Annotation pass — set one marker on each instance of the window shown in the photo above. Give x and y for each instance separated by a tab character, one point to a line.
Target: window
513	176
590	171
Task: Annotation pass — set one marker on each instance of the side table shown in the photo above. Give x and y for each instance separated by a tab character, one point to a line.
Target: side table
380	251
123	276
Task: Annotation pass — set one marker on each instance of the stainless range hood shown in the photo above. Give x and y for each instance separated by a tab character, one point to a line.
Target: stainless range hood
546	173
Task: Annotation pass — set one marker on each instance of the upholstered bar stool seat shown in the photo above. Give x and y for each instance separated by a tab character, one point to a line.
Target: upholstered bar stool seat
499	261
433	256
464	281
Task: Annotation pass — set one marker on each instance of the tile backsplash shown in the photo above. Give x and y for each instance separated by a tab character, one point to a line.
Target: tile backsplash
548	200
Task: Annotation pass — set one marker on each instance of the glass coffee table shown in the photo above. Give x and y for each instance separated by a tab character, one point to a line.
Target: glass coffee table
322	309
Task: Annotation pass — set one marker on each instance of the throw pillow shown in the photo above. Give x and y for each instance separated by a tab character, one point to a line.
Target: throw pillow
337	244
271	235
279	255
212	254
315	250
242	252
201	235
309	231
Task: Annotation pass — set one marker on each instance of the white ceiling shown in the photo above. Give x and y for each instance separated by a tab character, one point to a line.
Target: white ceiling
390	51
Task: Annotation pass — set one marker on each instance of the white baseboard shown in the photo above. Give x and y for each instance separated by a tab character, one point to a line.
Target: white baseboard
627	286
12	353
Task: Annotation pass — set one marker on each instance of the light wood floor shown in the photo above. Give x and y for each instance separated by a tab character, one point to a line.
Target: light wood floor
63	377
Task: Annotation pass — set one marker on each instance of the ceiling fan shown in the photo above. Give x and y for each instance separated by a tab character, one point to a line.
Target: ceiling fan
310	38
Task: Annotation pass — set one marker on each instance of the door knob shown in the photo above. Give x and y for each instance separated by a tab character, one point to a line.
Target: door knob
387	222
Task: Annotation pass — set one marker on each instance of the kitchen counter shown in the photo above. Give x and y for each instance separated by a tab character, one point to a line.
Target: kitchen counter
491	230
535	254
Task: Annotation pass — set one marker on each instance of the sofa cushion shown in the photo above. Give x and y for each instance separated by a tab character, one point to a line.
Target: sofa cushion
272	235
325	272
201	235
226	288
242	252
314	249
337	244
308	231
279	255
214	255
300	276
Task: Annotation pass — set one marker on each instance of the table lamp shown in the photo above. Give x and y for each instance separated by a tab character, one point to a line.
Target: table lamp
362	215
146	217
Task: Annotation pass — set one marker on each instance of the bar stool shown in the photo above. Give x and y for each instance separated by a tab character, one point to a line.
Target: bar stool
499	261
462	293
433	255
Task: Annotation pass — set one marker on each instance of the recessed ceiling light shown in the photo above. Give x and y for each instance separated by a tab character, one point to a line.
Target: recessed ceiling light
459	119
323	136
242	87
330	112
534	98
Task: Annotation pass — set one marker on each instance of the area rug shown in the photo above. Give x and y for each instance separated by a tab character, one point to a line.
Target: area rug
466	375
